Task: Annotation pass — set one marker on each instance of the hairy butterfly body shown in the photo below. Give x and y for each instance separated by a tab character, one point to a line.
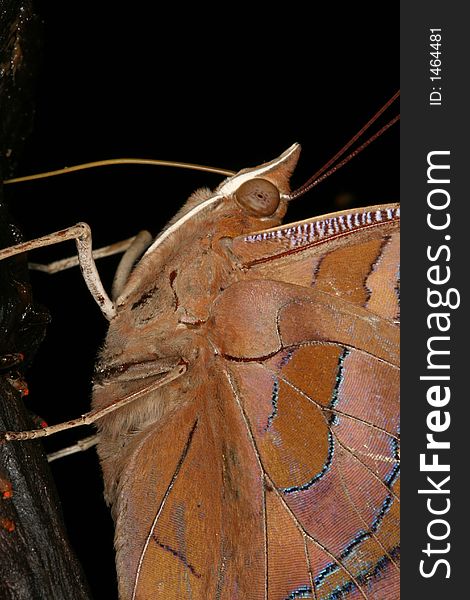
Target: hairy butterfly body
269	468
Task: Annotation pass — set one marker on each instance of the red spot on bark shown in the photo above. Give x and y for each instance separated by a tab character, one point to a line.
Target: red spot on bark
7	524
6	489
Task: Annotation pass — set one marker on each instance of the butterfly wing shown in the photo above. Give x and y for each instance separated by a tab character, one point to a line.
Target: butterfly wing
354	255
318	386
277	478
193	525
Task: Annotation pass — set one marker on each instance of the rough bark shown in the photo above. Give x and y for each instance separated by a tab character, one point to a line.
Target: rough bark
36	560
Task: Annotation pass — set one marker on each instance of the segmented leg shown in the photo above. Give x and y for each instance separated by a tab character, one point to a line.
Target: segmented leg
72	261
81	233
136	248
92	416
81	446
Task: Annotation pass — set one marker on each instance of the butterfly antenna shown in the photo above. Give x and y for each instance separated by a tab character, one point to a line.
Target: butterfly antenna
121	161
326	171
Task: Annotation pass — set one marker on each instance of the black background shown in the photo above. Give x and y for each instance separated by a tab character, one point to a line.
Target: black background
229	89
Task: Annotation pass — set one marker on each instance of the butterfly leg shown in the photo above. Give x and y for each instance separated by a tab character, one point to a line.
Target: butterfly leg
94	415
134	251
123	246
81	446
81	233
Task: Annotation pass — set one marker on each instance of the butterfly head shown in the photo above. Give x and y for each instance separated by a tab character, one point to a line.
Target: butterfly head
252	199
258	193
262	192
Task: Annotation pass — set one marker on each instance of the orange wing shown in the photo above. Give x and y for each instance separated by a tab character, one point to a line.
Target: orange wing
200	506
278	478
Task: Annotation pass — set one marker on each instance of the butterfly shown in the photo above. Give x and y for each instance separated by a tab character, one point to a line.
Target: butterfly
252	138
260	454
266	464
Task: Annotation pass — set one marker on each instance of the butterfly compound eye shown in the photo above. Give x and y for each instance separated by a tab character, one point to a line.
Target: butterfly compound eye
259	197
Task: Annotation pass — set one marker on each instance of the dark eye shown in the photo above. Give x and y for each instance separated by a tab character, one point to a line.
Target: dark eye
259	197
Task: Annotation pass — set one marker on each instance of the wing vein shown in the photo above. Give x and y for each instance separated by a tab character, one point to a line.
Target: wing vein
314	540
371	472
182	458
309	569
283	502
330	409
369	530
